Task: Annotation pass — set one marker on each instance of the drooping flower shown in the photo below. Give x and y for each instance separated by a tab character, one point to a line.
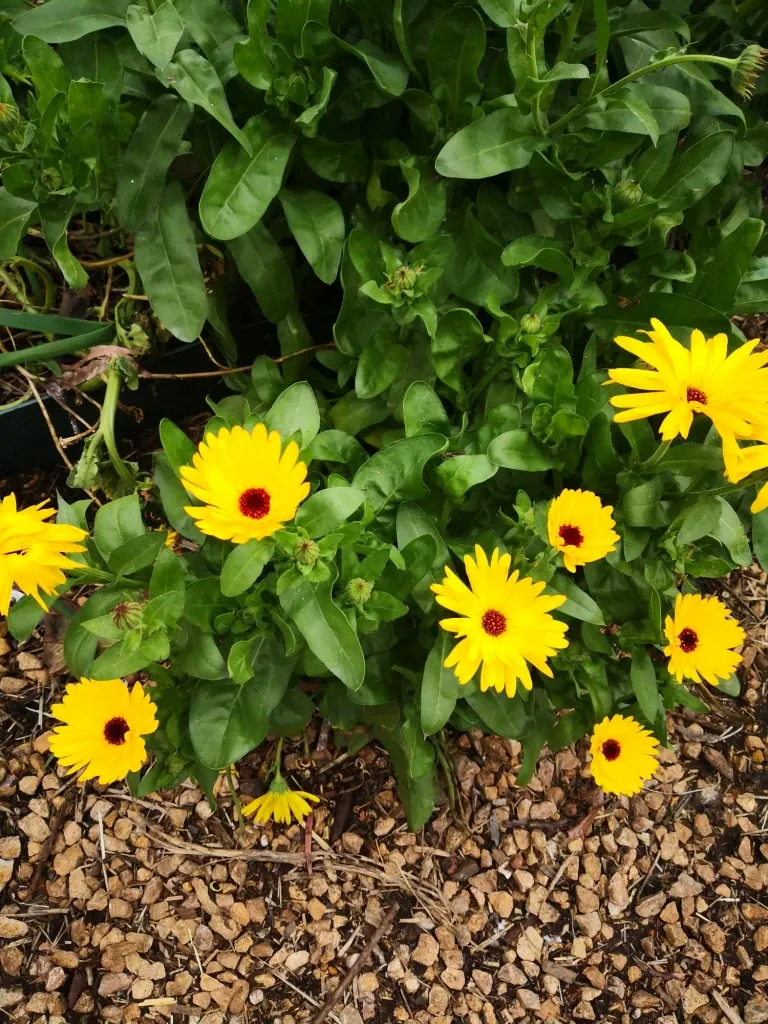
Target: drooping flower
702	635
33	551
623	755
504	623
747	68
581	527
103	728
742	462
280	802
249	486
731	389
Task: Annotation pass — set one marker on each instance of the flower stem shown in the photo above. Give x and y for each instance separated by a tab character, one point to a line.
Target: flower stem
532	69
655	459
278	757
235	799
107	427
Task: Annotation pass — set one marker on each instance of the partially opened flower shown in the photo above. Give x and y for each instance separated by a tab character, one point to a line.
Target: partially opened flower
33	551
623	755
581	527
742	462
280	802
504	623
103	728
702	635
731	389
249	486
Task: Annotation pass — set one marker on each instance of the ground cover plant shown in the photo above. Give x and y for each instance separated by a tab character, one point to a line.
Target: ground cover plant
492	499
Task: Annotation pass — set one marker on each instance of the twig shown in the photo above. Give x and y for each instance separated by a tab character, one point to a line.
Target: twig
95	264
363	958
728	1010
45	853
47	418
233	369
308	841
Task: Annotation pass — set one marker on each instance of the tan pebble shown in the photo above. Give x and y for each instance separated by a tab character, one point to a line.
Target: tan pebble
316	909
529	945
713	936
692	1000
747	802
453	978
670	913
527	999
351	843
439	999
383	826
10	847
756	1010
120	909
296	960
11	928
141	989
651	905
685	886
675	935
367	983
110	984
56	978
583	1011
502	903
33	826
427	950
589	924
761	938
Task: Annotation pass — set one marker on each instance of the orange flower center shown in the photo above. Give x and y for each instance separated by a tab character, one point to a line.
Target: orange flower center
255	502
696	395
571	536
115	731
494	623
689	640
611	750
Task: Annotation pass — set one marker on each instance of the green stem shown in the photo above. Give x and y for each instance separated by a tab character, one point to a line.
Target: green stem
42	273
107	427
656	458
532	69
611	90
742	485
54	349
440	750
570	31
278	756
235	799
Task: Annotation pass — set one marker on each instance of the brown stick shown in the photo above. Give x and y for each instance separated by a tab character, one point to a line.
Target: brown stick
233	369
45	852
363	958
95	264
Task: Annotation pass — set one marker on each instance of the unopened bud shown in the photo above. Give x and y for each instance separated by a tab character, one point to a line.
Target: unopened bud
746	70
359	591
530	323
627	193
50	178
307	552
9	118
403	278
127	614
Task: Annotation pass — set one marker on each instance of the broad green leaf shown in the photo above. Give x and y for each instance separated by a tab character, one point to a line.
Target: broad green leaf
459	337
395	472
420	215
166	257
243	182
178	447
456	48
643	677
730	532
718	282
516	449
115	662
699	520
23	618
695	170
264	268
381	362
439	687
117	522
292	15
168	575
502	141
460	472
423	412
503	715
175	499
80	645
678	312
317	223
505	13
592	675
327	630
578	604
58	21
244	565
411	523
641	505
539	251
200	658
197	82
203	602
156	34
295	412
14	215
144	167
55	214
760	538
324	511
135	554
49	75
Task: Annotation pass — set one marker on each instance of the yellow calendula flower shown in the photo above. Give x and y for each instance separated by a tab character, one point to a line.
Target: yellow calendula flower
33	551
281	802
580	527
248	484
623	755
504	624
731	389
702	635
742	462
102	730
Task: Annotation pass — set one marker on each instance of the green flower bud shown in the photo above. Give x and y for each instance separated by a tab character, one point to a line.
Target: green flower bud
9	118
403	278
746	70
127	614
358	591
530	323
50	178
627	193
307	552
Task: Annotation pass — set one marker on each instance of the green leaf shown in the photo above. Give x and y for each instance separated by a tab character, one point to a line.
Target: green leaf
174	500
168	574
178	447
423	412
641	506
153	147
14	215
730	532
326	630
295	412
228	719
135	554
395	472
516	449
117	522
695	170
503	715
324	511
157	34
454	54
505	13
24	616
459	337
578	604
265	270
411	523
592	675
58	21
381	362
243	182
79	644
166	258
47	69
197	82
55	214
643	677
115	662
688	458
200	657
460	472
203	601
718	282
317	223
419	216
759	538
502	141
439	687
677	312
699	520
244	565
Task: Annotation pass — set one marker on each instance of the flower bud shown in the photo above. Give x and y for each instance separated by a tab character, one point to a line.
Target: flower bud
9	118
403	278
530	323
127	614
627	193
746	70
358	591
307	552
50	178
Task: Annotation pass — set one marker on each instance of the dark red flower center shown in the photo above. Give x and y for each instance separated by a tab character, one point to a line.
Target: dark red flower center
689	640
611	750
115	731
255	503
696	395
572	536
494	623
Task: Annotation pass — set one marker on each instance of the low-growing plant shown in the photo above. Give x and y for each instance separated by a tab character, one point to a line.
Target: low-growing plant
504	189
